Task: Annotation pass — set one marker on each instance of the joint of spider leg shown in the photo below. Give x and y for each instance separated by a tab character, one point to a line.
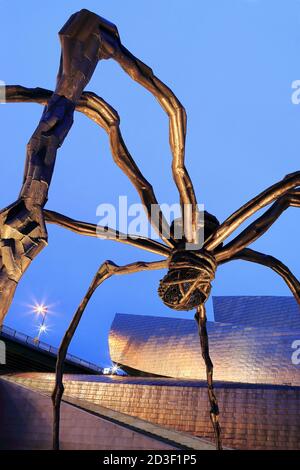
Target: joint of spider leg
108	268
110	43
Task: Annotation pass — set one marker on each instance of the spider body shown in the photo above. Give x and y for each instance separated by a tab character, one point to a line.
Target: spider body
188	281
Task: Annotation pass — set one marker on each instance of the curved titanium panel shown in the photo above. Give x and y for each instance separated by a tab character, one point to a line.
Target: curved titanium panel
170	347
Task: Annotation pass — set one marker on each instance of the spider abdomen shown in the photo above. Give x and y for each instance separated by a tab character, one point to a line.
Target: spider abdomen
188	281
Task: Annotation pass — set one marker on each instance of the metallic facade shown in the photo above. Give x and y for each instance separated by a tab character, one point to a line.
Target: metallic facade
257	311
240	352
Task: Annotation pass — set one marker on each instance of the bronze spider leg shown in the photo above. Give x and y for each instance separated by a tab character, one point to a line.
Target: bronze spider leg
109	120
22	228
201	320
106	270
106	117
266	260
257	228
106	233
111	47
265	198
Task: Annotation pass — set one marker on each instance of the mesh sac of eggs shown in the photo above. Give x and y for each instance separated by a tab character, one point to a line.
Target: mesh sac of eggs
188	281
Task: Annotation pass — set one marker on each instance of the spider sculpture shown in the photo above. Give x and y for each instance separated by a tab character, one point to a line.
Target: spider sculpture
85	39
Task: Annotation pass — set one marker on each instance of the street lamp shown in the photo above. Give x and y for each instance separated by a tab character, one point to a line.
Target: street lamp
41	309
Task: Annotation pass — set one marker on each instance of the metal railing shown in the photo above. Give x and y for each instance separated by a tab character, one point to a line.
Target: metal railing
22	337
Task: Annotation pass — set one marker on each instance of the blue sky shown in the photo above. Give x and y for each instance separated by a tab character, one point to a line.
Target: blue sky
231	63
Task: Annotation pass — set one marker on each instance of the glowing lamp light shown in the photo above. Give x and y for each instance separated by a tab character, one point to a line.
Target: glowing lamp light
114	369
40	309
42	329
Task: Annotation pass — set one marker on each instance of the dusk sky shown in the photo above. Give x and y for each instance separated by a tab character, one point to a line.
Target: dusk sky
232	64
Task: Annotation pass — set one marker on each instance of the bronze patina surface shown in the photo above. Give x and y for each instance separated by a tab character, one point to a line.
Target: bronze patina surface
86	39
